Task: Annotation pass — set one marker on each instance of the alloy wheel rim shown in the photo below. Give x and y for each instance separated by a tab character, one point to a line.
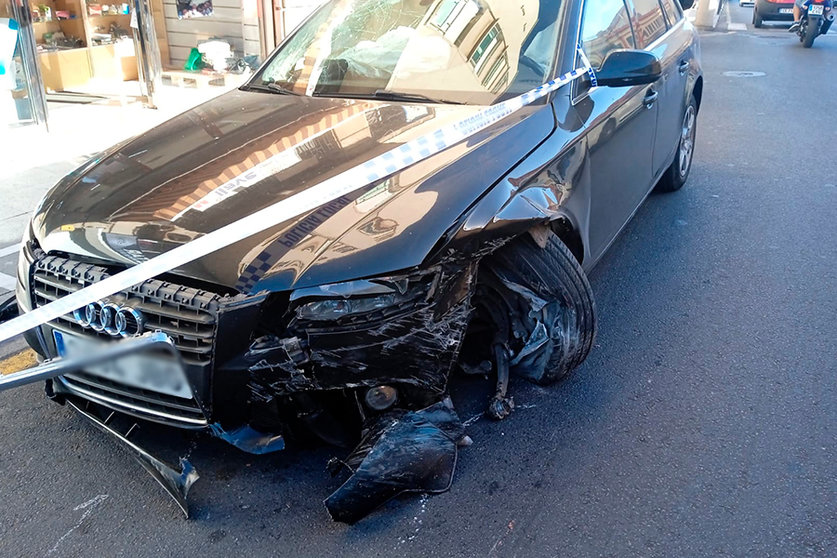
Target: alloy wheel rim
687	140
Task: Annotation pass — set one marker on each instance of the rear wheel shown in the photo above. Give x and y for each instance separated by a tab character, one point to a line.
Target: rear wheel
676	175
810	34
548	304
757	20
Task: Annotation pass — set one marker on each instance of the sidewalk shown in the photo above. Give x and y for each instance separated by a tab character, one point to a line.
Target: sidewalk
716	7
33	160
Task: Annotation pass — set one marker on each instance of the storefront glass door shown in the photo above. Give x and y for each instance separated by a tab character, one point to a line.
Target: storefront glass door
89	50
22	96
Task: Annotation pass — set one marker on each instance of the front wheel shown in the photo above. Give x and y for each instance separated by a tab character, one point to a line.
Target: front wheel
544	295
676	175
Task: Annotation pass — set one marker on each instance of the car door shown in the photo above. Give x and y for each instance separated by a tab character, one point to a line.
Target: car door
658	28
621	124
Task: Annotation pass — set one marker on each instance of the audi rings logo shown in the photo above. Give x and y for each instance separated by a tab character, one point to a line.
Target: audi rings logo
116	320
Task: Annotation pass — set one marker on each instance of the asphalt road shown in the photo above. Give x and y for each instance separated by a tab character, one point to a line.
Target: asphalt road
703	424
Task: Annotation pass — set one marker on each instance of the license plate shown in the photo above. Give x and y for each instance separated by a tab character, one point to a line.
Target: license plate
785	10
813	9
150	372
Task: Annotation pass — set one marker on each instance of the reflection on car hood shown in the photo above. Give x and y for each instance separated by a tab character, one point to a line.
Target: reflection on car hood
194	174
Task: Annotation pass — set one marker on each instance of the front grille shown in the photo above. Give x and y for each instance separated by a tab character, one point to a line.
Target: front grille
187	315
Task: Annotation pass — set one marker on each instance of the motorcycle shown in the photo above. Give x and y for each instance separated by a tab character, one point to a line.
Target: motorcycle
817	17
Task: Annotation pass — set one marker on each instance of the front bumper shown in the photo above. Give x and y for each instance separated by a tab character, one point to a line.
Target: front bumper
244	380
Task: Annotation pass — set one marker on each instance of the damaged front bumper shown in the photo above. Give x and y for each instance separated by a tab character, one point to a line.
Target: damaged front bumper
410	341
280	360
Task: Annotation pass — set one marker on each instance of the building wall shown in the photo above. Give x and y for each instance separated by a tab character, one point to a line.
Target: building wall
235	21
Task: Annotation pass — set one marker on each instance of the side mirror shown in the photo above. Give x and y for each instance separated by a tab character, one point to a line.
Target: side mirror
628	67
687	4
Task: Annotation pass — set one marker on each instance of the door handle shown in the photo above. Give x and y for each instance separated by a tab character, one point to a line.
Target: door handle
650	98
683	67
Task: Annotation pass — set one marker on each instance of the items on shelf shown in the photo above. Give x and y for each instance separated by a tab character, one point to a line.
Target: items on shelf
42	14
96	10
79	40
118	32
58	40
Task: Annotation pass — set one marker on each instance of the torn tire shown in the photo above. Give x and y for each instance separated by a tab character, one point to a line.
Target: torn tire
550	303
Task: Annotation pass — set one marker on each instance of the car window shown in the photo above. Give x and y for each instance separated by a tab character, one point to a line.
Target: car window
650	24
671	11
605	26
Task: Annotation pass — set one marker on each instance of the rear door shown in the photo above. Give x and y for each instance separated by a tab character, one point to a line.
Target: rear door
621	123
658	26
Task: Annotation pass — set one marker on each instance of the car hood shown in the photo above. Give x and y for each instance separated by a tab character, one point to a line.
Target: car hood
194	174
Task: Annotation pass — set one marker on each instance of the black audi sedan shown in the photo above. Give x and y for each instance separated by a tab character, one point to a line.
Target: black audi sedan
347	321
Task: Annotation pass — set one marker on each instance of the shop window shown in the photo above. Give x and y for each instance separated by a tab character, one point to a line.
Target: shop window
605	27
455	17
488	43
672	12
650	24
498	75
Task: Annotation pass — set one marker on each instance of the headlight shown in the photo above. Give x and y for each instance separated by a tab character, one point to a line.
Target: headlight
355	298
327	310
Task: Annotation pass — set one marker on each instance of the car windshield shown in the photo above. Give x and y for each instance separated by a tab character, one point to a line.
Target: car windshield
459	51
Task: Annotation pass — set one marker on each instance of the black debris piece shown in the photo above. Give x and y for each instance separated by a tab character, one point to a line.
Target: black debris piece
400	451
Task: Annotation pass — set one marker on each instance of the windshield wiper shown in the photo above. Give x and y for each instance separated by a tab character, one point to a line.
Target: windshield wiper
386	95
270	87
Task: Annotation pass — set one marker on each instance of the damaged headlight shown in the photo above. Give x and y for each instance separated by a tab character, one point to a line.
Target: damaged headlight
355	298
323	310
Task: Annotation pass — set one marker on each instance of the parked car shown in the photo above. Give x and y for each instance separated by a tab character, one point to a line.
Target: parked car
771	10
473	260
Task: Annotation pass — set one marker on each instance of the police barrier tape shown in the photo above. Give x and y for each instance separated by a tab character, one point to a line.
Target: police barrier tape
384	165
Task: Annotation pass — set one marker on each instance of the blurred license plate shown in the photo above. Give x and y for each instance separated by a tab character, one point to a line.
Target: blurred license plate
151	372
785	10
815	10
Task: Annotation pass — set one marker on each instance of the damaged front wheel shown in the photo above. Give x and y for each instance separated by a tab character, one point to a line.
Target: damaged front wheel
541	302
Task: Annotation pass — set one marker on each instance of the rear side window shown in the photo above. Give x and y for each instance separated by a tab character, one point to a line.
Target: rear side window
672	13
605	27
650	24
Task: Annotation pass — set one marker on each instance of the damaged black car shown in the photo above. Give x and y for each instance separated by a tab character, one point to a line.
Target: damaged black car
347	322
